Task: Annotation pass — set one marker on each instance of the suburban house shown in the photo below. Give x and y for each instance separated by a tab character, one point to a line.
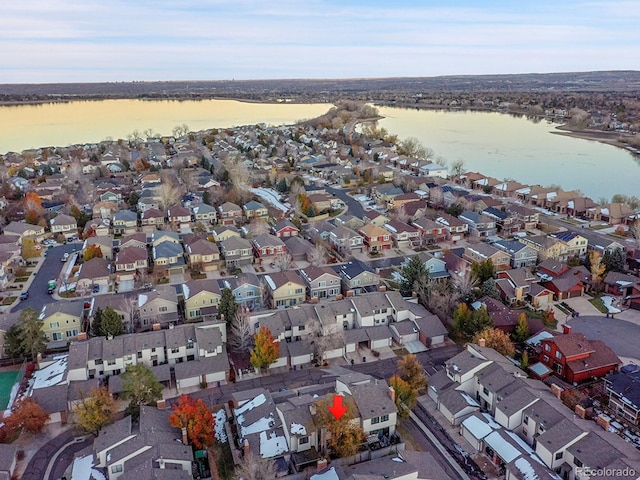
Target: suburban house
97	226
576	244
105	210
179	215
376	218
284	228
620	284
402	200
520	285
20	230
284	289
321	282
202	254
481	252
547	247
152	217
267	246
104	242
358	278
456	228
62	321
346	241
433	170
64	224
429	232
436	267
479	225
124	222
225	232
528	216
247	290
575	359
204	213
624	393
95	272
253	209
138	240
507	223
404	235
229	214
564	281
158	306
130	260
201	299
521	255
168	258
160	236
299	248
376	239
236	251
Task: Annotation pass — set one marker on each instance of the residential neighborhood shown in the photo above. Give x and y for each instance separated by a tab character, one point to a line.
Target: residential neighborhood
254	276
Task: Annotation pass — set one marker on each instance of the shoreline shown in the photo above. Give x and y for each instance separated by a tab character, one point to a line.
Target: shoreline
601	136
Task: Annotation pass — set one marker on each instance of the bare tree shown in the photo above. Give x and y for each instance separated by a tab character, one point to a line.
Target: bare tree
130	306
258	226
464	281
169	194
400	214
241	338
324	339
283	261
265	293
318	255
255	468
634	230
457	167
180	130
238	172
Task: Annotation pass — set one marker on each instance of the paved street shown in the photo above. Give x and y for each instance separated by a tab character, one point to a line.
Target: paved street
49	270
623	337
355	208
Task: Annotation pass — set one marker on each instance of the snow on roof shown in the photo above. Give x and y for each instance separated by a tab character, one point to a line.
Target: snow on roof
537	338
219	420
328	475
502	447
251	404
469	400
297	429
82	470
52	374
265	423
269	280
186	291
272	445
523	445
540	369
142	299
477	427
492	423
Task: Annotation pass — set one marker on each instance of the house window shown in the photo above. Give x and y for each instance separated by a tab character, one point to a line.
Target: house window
139	354
547	347
558	354
486	392
384	418
56	336
577	462
301	328
72	333
559	455
189	345
356	282
111	362
116	468
303	440
298	290
127	357
175	350
375	420
322	284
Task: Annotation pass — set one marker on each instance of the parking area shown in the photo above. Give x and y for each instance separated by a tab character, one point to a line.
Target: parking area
621	335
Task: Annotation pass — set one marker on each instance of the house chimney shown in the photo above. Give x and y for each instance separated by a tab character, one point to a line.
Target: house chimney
392	393
155	327
566	329
38	358
482	342
161	404
322	464
185	439
557	390
382	288
245	448
82	336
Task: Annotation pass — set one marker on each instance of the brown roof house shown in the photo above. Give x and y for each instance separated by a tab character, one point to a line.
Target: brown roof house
96	271
203	255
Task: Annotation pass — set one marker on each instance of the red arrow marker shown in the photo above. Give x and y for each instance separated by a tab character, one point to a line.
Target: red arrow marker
337	409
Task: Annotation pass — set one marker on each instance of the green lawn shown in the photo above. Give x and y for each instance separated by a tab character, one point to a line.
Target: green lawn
597	302
7	380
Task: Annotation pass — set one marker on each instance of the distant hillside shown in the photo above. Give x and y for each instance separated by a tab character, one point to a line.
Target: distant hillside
609	81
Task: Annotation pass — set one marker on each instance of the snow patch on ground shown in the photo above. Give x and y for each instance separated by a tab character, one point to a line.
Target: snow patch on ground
219	419
272	445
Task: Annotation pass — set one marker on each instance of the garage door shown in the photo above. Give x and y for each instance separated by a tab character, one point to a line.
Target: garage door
176	271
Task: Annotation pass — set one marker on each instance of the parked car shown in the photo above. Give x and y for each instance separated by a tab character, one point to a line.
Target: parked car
65	257
96	288
24	295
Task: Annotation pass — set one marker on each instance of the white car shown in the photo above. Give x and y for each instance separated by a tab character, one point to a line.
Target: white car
65	257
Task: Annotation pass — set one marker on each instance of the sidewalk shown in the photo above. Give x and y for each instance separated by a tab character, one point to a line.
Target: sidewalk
26	285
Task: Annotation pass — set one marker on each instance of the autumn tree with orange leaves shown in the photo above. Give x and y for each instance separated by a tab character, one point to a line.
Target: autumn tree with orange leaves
27	416
195	417
92	251
32	205
266	350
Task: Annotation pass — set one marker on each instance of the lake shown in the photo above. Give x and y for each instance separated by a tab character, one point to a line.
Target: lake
504	146
61	124
495	144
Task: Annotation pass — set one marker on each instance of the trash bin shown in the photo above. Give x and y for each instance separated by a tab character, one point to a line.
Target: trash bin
353	361
364	359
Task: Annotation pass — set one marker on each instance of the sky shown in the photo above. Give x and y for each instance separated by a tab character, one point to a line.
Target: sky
45	41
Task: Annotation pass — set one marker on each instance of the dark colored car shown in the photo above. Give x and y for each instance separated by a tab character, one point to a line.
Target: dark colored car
24	295
96	288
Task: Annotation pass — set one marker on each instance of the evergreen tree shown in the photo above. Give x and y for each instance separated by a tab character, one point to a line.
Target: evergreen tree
614	261
206	197
32	338
96	324
140	387
282	185
484	270
489	289
481	320
228	307
524	361
111	323
413	271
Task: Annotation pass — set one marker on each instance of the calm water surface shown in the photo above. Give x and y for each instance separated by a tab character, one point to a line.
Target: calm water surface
504	146
62	124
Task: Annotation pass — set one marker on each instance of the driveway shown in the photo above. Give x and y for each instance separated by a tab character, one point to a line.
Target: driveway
623	337
49	270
